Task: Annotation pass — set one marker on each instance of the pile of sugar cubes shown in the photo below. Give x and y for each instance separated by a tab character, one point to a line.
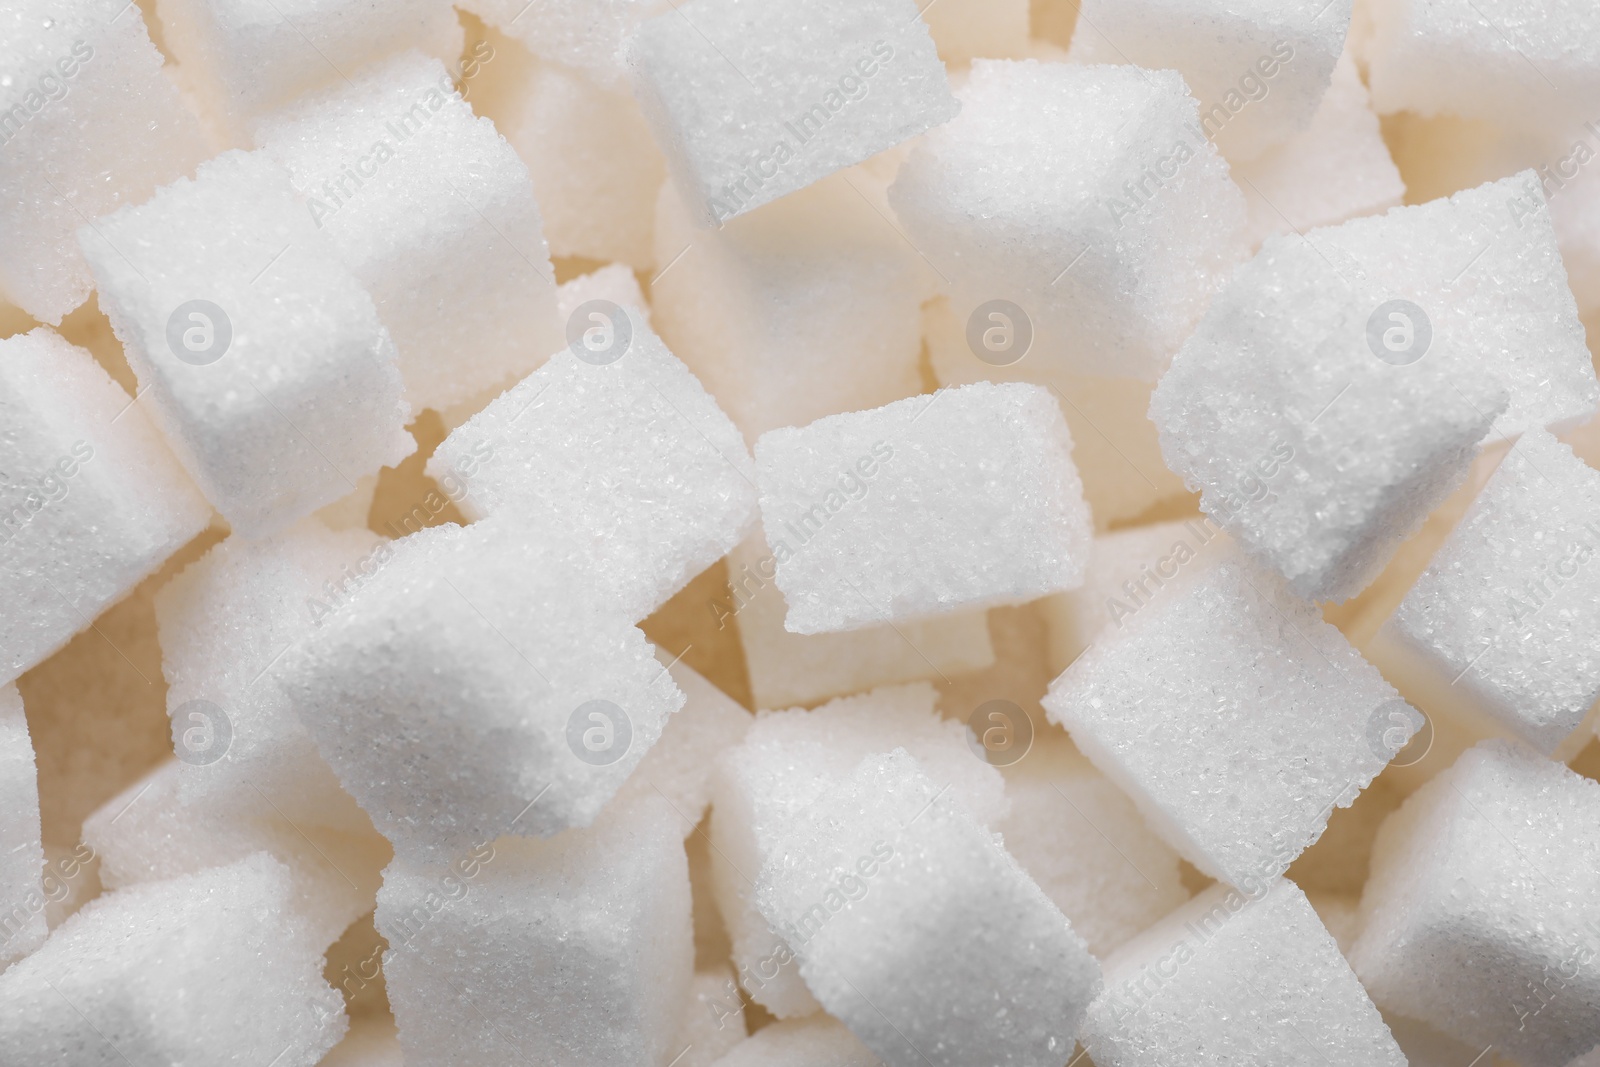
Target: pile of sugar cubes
799	533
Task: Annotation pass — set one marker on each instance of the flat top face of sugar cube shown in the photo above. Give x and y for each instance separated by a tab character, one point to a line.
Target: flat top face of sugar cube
982	474
21	857
1509	603
1233	715
754	100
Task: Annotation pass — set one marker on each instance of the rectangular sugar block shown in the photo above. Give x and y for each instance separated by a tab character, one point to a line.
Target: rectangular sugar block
1234	717
268	369
22	904
1231	978
915	928
815	1041
91	499
433	212
752	101
1480	917
964	499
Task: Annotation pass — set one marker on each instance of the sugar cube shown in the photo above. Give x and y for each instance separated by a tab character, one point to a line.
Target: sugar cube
743	97
270	373
586	36
989	467
1109	236
92	499
614	282
1480	915
22	904
815	1041
1234	978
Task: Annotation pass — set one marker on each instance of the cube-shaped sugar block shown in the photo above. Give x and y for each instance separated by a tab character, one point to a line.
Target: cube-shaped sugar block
815	1040
784	763
91	499
473	688
1234	717
915	928
615	282
964	499
88	122
433	212
22	904
1504	613
1259	68
752	101
1236	978
572	952
1109	237
584	35
1480	917
213	967
612	446
267	366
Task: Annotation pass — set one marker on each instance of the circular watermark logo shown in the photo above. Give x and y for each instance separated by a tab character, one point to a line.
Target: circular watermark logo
1398	733
1000	733
599	732
999	333
1399	332
199	332
599	332
201	732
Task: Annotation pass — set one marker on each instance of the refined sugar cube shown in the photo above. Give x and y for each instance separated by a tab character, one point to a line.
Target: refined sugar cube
22	904
815	1041
433	212
752	101
1234	717
960	500
916	929
1233	978
584	35
270	373
614	282
1480	915
1110	235
91	499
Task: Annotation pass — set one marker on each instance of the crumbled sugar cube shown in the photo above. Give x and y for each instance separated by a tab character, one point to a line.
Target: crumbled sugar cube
434	214
88	121
471	689
783	764
988	466
214	967
916	929
1110	235
91	499
1292	722
752	101
615	282
22	901
1233	978
967	29
1258	68
268	369
571	952
787	670
1480	915
714	1021
815	1041
585	35
806	308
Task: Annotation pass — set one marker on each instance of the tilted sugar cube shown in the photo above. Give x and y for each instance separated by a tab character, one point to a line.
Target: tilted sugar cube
1234	717
1110	236
22	904
433	212
584	35
916	929
571	952
1234	978
1480	916
268	369
714	1022
214	967
815	1041
88	122
752	101
91	499
989	467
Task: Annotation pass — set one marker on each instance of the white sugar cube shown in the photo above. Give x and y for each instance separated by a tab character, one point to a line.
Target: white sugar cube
584	35
1110	235
572	952
615	282
22	904
91	499
1234	717
964	499
214	967
88	122
433	212
1480	914
714	1022
815	1041
752	101
268	369
916	929
1234	978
